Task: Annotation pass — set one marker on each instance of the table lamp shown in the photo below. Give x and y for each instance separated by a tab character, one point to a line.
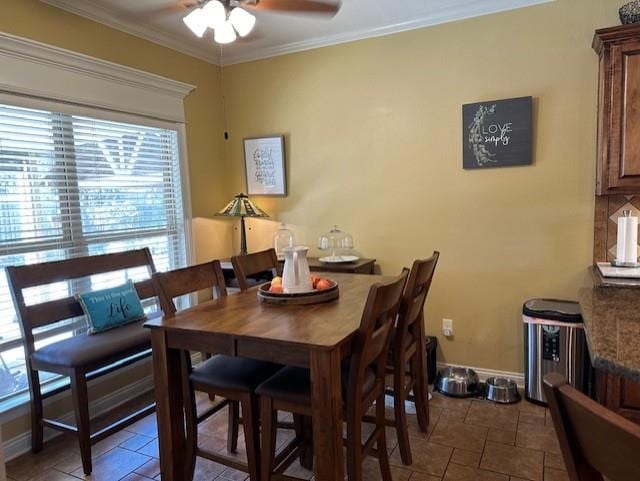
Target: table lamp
241	206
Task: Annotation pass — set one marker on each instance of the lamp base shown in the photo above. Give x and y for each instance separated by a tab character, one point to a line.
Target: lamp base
243	238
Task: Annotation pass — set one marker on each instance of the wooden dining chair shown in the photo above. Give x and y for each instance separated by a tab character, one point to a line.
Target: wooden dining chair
263	263
363	384
233	378
408	359
595	442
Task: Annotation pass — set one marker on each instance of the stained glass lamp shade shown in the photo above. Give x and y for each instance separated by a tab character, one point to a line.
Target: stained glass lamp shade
241	206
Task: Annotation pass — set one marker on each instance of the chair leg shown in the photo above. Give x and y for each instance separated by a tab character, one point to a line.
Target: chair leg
268	420
303	432
308	435
81	408
232	432
191	418
354	445
251	424
37	428
383	454
400	396
418	365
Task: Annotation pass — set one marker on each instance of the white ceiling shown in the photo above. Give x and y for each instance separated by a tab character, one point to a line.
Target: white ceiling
277	33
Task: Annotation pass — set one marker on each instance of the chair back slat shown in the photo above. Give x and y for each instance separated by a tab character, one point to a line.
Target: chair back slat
372	339
248	265
33	275
417	289
594	440
377	344
46	273
187	280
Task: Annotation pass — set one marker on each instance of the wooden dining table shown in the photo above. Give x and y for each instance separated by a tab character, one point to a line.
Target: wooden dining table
313	336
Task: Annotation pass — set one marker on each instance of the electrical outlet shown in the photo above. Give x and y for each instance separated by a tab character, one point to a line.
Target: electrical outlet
447	327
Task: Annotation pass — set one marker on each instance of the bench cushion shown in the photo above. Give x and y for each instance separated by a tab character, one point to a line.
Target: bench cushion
89	350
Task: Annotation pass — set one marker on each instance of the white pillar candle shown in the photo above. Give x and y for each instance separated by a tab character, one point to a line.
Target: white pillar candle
627	250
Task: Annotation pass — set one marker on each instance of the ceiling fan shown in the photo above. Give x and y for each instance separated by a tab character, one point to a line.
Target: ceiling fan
230	18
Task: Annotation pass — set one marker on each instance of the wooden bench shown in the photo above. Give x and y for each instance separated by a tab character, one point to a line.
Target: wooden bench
81	357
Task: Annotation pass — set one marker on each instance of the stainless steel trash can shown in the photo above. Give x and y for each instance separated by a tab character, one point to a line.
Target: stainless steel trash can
554	341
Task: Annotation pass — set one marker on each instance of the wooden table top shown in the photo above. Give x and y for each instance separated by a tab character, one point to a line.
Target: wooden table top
321	326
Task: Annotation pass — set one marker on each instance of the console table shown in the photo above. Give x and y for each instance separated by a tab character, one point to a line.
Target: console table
361	266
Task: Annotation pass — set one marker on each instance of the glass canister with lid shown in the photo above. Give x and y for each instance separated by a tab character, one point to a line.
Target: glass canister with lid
339	246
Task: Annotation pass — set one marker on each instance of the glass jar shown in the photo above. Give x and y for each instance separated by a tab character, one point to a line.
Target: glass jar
336	242
282	239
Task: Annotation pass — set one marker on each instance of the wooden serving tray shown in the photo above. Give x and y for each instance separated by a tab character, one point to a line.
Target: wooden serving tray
299	299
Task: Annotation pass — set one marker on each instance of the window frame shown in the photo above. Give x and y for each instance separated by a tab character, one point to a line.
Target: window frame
72	233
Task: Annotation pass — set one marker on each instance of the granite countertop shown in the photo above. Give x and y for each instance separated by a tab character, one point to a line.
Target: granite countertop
612	323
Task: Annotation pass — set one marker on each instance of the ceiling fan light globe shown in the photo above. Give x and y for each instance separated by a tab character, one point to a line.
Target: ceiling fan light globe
214	14
225	33
196	22
242	21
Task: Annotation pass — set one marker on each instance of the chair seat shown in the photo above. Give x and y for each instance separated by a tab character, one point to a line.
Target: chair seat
293	384
95	349
232	373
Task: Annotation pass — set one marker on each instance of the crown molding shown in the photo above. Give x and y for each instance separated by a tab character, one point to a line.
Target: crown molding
37	52
94	11
445	15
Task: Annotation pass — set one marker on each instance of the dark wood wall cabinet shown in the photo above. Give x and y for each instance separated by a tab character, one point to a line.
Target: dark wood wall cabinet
618	155
619	394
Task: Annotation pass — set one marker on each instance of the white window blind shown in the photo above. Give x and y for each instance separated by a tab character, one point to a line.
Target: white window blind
73	186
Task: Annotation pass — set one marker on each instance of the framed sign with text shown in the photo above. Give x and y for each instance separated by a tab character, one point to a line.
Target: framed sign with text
264	164
497	133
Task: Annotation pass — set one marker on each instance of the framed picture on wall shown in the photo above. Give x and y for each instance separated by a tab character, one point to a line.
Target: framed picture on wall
497	133
264	165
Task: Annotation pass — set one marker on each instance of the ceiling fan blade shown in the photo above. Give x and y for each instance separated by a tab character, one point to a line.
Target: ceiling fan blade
178	6
297	6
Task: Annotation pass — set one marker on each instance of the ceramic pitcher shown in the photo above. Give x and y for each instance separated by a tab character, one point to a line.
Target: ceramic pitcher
296	276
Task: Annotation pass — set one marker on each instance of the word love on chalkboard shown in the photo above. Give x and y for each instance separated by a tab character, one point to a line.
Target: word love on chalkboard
497	133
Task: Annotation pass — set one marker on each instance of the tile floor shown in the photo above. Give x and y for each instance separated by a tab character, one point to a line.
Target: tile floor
468	440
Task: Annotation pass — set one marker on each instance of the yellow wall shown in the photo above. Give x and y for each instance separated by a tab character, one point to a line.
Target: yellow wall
373	132
35	20
38	21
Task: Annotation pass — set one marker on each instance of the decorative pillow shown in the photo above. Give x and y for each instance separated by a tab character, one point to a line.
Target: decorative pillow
109	308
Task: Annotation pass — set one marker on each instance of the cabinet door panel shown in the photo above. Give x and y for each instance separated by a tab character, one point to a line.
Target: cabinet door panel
629	395
619	395
624	141
630	158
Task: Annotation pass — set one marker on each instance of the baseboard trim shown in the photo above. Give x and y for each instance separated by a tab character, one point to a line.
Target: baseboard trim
21	444
483	373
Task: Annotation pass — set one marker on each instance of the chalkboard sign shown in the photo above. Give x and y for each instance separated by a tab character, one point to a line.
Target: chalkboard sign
497	133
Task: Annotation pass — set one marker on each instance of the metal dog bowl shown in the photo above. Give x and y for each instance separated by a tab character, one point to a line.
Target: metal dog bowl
501	390
458	382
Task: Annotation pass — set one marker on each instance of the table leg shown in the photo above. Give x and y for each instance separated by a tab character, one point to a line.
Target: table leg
421	388
169	407
326	395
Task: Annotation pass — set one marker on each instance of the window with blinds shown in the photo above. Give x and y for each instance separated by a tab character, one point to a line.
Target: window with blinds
74	186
